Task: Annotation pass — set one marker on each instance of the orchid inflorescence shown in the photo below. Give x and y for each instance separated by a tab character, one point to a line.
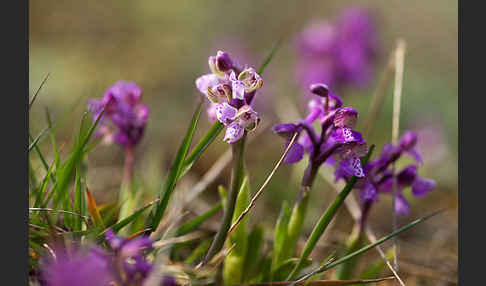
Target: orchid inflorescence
124	118
381	177
230	89
337	140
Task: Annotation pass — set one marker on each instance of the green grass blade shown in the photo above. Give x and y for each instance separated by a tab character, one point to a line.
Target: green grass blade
196	222
201	146
378	242
198	252
37	91
36	140
39	153
79	200
173	175
268	59
41	191
122	223
326	218
280	235
67	170
253	256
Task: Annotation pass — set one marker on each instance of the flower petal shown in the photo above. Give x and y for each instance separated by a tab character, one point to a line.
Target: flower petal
367	192
421	186
352	167
225	113
233	133
402	207
295	153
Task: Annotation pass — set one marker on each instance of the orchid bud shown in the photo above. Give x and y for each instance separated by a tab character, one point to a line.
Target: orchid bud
408	140
319	89
220	64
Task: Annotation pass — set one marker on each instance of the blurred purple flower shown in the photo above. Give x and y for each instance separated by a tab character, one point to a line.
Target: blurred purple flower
82	267
230	89
339	53
124	118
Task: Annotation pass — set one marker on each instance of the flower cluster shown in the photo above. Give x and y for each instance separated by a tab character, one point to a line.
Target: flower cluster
124	117
381	178
124	266
337	140
231	89
339	53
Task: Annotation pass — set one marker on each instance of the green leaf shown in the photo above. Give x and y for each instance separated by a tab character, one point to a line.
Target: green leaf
42	190
67	169
269	57
37	91
280	235
122	223
173	175
196	222
237	176
198	252
255	244
369	246
233	268
326	218
283	270
79	200
36	140
223	195
201	146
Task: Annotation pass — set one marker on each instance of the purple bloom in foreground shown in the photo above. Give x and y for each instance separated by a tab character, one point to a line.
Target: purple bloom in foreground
340	52
82	267
380	177
337	140
230	89
124	118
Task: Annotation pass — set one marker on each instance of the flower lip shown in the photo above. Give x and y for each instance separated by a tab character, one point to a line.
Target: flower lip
345	117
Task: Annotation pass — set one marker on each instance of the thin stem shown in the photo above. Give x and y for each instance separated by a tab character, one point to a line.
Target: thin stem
238	173
126	192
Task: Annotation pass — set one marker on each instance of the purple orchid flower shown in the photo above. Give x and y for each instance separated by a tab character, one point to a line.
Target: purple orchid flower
82	267
231	90
124	118
339	52
337	140
380	177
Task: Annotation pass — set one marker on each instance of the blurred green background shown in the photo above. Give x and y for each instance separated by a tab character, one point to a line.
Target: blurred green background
163	46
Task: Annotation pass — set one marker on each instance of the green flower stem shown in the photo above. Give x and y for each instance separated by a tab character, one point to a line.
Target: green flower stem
234	263
325	219
299	211
238	173
127	194
212	133
355	241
